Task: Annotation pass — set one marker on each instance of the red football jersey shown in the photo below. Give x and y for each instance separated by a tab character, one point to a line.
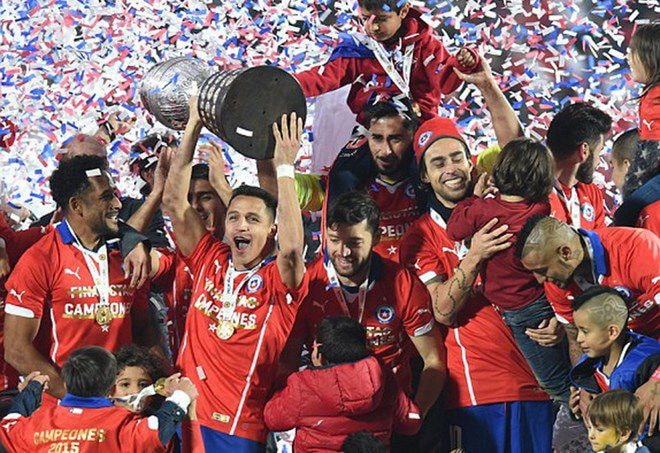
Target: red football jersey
627	259
484	364
649	115
398	210
54	428
52	280
235	376
581	206
176	281
396	307
649	218
16	242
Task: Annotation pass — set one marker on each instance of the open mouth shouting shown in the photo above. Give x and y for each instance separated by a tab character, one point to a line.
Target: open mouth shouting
242	243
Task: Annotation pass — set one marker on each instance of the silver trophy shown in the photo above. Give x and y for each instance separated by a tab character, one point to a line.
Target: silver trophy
166	89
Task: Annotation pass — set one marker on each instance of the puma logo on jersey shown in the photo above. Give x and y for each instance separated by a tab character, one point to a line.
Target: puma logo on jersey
460	250
68	271
648	124
17	295
319	304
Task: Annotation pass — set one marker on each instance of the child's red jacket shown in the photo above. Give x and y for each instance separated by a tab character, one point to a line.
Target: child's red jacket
327	404
354	63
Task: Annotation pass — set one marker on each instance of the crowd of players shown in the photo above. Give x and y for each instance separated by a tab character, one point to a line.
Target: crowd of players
443	302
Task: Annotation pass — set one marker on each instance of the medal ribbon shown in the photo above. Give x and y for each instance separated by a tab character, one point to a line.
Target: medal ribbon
100	275
229	294
385	60
339	293
572	205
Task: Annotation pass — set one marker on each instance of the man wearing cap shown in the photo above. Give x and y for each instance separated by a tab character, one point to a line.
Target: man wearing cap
73	277
490	388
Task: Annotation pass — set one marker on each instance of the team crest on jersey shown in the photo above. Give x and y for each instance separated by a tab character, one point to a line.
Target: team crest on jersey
384	314
421	141
625	292
255	283
410	191
588	212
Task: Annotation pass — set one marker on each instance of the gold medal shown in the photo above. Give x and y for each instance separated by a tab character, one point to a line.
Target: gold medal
225	330
159	387
103	315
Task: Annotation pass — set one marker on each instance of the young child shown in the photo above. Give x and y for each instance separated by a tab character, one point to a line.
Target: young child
614	357
523	174
613	419
345	390
85	420
399	55
644	60
137	369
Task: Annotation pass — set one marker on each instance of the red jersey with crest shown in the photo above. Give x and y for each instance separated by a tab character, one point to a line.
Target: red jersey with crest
649	218
483	362
16	243
234	377
626	259
175	280
398	210
581	206
396	307
81	430
52	280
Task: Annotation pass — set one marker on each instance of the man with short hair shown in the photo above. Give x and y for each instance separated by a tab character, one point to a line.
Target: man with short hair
350	279
576	136
245	298
490	388
74	277
86	420
568	262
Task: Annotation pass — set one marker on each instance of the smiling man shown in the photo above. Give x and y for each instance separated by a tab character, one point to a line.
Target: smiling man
351	280
73	278
568	262
245	298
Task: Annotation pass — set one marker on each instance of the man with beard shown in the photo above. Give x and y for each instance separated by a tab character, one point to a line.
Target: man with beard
568	262
74	276
576	136
245	298
381	162
490	388
351	280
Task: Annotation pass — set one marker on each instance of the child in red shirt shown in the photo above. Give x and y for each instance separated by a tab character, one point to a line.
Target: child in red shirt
523	174
399	55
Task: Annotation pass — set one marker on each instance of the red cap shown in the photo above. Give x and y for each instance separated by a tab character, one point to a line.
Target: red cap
433	130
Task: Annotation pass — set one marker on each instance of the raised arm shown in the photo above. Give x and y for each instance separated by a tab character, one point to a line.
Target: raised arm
141	218
505	121
217	177
290	260
188	226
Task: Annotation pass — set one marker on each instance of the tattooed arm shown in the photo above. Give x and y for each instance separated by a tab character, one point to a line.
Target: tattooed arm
448	297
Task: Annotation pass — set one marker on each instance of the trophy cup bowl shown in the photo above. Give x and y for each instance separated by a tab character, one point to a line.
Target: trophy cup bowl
167	87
